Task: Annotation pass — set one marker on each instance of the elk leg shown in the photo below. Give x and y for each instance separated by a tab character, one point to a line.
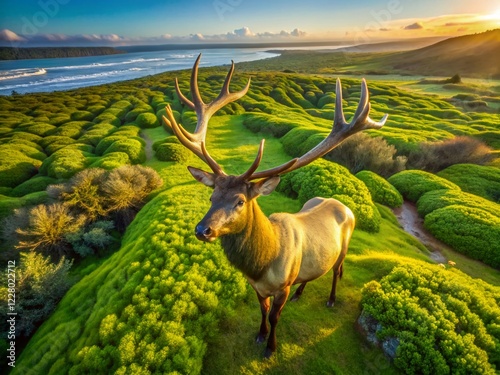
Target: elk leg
264	309
298	292
278	304
337	274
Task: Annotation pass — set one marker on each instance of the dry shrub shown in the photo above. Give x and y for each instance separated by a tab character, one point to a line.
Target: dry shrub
436	156
363	152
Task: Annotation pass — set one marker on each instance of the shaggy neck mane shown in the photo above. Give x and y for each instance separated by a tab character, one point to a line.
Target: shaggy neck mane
253	249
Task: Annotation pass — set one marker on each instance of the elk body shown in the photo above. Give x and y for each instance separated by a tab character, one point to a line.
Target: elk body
285	249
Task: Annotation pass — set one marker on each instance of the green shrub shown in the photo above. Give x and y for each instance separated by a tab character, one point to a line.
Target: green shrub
363	152
472	231
82	116
380	189
108	118
111	161
172	152
475	179
17	167
436	199
147	120
40	284
37	183
64	163
92	239
329	180
412	184
132	147
40	129
150	308
268	124
443	321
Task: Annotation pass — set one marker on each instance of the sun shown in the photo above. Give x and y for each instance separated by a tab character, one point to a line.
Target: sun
494	16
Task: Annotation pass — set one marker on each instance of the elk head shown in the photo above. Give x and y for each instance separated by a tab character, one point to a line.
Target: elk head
233	197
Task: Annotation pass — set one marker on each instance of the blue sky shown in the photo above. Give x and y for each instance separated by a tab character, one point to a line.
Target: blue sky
113	22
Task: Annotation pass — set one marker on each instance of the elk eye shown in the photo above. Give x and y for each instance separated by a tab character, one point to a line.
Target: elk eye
240	203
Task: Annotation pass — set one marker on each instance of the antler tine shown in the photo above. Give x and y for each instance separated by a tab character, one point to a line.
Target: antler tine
196	141
255	164
340	131
225	96
210	161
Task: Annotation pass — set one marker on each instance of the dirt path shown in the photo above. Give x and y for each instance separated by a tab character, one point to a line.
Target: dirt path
412	223
148	149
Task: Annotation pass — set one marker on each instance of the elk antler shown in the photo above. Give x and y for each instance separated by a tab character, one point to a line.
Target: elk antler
196	141
340	131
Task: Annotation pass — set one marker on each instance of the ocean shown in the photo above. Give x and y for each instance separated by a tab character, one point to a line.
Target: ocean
47	75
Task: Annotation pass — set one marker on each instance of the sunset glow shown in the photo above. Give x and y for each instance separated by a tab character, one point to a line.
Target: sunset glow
159	22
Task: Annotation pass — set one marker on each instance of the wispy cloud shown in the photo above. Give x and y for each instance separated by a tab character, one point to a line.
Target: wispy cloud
244	34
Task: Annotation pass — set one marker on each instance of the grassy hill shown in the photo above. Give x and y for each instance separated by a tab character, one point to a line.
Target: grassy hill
476	55
470	56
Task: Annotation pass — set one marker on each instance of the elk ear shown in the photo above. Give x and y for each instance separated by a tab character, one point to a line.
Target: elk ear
205	178
265	186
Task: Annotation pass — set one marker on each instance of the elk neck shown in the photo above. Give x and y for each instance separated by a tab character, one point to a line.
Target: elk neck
256	246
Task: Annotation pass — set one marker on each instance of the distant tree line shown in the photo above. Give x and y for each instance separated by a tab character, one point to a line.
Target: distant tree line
11	53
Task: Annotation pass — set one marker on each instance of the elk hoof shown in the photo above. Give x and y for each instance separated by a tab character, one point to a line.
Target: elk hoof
294	298
330	304
260	339
268	353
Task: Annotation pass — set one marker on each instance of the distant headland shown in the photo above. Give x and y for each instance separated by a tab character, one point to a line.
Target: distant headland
12	53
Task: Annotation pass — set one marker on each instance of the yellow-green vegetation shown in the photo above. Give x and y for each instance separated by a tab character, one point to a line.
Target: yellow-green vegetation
167	302
467	222
380	189
150	307
442	321
328	180
412	184
475	179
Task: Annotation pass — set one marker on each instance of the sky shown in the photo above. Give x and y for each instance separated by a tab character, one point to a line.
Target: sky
132	22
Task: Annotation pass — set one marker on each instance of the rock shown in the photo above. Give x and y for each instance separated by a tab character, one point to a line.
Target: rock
369	326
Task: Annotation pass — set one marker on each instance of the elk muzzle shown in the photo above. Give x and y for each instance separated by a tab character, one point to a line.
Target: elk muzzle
204	232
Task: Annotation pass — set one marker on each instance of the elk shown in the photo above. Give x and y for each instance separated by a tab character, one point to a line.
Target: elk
283	249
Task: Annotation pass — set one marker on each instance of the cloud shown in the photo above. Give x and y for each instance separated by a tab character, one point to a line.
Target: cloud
414	26
10	36
243	34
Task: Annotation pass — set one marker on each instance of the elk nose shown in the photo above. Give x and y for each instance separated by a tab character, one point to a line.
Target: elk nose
202	232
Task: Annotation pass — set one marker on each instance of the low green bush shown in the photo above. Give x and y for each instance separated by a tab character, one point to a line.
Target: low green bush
475	179
111	161
132	147
82	116
436	199
268	124
64	163
37	183
380	189
17	167
329	180
150	308
40	284
108	118
172	152
472	231
412	184
442	321
147	120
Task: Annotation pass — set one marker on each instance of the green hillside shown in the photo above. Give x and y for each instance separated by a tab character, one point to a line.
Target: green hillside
166	303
